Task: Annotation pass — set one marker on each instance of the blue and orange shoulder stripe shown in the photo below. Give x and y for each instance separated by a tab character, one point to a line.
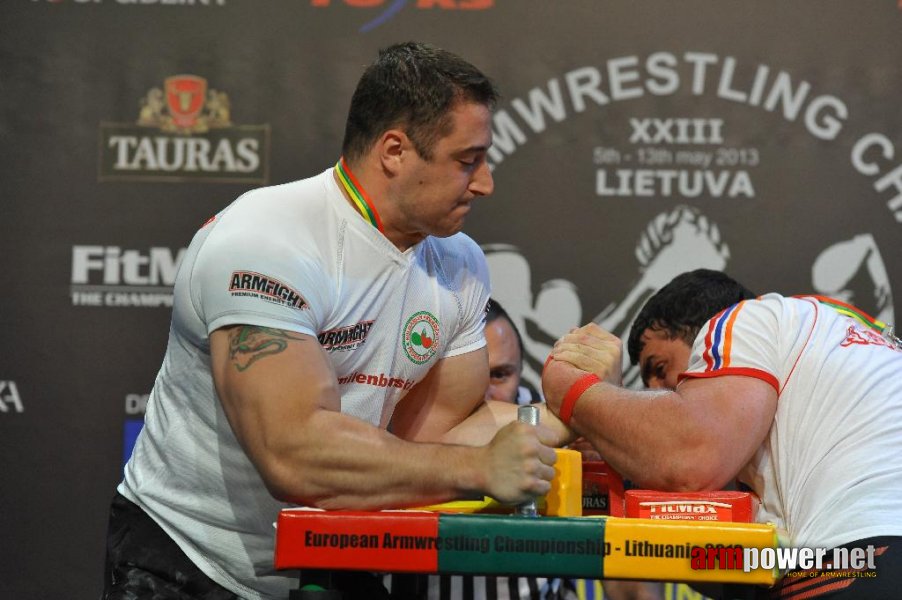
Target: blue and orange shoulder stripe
719	339
718	352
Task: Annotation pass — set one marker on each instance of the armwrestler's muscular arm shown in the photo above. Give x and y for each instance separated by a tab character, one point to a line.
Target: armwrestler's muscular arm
696	438
280	395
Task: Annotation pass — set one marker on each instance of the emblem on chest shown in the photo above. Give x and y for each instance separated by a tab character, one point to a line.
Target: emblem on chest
421	337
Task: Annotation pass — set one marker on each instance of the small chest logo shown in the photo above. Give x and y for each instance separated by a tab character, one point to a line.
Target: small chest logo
345	338
421	337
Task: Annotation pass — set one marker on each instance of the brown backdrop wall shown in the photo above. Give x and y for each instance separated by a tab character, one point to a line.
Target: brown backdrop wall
634	141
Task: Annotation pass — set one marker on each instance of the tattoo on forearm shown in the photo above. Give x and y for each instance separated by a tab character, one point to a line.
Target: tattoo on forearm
248	344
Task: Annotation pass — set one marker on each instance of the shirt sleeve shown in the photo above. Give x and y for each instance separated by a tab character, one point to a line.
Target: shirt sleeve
474	290
741	340
258	280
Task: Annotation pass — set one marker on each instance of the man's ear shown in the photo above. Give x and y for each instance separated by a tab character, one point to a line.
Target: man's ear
391	147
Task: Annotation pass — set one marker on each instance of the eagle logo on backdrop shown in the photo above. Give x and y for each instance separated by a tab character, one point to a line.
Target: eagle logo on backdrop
853	271
185	105
673	242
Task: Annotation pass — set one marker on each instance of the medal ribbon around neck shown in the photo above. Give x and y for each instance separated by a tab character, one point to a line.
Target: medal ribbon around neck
358	195
851	311
888	331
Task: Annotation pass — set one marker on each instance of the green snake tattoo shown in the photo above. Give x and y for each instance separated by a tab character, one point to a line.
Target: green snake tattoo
248	344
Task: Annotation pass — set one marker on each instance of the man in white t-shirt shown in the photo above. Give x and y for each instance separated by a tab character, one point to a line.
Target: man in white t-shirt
327	349
800	399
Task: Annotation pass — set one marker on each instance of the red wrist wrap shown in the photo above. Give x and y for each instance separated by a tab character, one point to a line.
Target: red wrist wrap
576	390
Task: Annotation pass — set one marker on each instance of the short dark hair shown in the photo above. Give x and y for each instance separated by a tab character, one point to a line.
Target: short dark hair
414	87
684	305
494	310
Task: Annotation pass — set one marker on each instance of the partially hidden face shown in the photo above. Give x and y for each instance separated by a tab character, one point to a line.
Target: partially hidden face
662	359
504	361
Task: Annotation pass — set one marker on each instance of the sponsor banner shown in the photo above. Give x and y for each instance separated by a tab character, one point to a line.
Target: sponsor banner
691	156
136	404
171	3
387	10
484	544
10	400
602	492
113	276
135	407
130	430
184	133
389	4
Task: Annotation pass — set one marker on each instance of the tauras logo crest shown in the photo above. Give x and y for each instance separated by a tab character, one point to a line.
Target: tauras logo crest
184	131
249	283
186	106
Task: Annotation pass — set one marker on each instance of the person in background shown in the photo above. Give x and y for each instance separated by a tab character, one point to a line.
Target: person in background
505	348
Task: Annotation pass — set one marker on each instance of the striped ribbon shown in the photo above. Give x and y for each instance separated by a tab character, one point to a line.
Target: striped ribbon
358	195
850	311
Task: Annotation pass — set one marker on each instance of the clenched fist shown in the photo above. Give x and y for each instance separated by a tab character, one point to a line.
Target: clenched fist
587	349
520	462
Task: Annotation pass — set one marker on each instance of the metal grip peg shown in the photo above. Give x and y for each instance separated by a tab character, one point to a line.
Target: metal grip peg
528	413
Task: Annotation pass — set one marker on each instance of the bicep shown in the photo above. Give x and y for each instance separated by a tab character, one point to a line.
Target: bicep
270	381
452	390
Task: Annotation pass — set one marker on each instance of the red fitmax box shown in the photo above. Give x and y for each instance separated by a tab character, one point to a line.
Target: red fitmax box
738	507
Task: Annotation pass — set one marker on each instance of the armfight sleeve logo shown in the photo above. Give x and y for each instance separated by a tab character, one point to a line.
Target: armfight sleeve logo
184	132
249	283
